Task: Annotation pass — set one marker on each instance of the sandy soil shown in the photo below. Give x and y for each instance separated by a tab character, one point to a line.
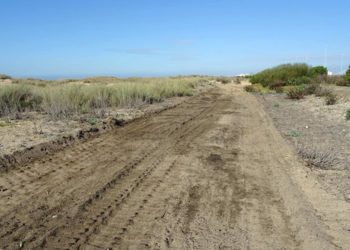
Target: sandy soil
317	127
212	173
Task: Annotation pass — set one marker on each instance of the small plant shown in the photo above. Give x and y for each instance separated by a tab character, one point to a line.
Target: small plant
294	133
347	115
331	99
295	93
317	157
92	121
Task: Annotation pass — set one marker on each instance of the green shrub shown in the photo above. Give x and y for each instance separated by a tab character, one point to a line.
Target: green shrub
347	77
318	71
295	93
289	74
281	74
347	115
302	80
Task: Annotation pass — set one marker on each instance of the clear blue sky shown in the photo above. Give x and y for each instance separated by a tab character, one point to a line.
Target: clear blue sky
67	38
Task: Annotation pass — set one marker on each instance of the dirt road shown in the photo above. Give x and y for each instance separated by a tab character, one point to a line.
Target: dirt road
212	173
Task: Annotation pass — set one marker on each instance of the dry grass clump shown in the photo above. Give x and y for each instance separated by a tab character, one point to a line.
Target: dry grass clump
15	99
316	157
250	88
295	93
258	88
64	99
331	99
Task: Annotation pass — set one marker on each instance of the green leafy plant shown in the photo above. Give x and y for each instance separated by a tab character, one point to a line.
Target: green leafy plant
294	133
318	70
347	115
280	75
347	76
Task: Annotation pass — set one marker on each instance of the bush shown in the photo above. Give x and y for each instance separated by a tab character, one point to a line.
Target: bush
311	89
295	93
336	80
347	77
281	74
289	74
318	157
250	88
320	92
347	115
302	80
318	71
331	99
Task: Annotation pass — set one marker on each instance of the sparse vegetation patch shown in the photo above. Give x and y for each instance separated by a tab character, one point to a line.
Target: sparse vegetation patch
64	99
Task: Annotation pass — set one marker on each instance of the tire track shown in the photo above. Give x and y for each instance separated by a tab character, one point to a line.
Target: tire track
59	174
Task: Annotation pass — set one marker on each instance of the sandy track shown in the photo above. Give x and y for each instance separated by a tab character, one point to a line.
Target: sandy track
212	173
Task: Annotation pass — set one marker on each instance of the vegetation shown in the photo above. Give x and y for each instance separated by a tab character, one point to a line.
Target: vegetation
347	115
18	98
288	74
331	99
311	89
62	99
4	77
223	80
336	80
258	88
296	93
317	157
347	77
318	71
250	88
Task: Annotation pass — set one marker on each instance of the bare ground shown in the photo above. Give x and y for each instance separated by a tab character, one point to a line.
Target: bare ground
312	126
212	173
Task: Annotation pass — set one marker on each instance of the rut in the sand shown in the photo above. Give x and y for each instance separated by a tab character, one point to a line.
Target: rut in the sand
208	174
